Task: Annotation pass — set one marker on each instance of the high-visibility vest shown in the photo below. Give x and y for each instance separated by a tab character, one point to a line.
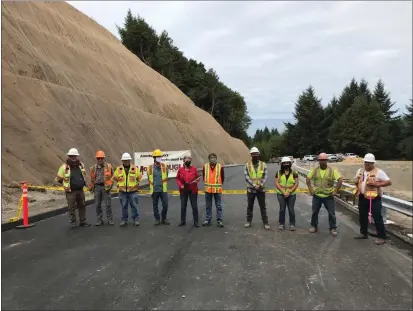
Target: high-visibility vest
323	185
372	191
107	176
286	183
256	176
64	175
129	184
164	169
213	178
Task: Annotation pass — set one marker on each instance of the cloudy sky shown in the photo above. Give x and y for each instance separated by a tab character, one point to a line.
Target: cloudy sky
271	51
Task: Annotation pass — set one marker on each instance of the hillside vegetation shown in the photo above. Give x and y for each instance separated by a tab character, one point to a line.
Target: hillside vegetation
68	82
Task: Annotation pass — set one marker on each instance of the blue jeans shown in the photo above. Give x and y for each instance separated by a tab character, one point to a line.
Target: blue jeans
286	203
155	200
329	204
208	203
126	199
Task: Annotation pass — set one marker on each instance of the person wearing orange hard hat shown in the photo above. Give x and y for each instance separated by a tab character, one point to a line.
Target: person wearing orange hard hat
323	192
101	184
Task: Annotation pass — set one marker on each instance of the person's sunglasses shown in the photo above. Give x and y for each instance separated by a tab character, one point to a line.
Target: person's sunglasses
99	158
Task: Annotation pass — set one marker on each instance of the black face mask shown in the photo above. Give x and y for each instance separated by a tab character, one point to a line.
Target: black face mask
255	159
187	163
286	166
72	162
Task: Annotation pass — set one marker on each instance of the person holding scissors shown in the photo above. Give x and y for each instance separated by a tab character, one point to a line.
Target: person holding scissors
187	180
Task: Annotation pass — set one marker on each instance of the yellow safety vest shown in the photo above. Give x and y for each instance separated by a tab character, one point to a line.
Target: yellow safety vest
213	178
284	183
129	183
256	176
164	169
64	175
323	186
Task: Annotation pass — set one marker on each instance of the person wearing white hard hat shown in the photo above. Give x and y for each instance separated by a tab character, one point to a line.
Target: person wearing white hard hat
128	177
286	182
72	176
255	172
370	182
323	192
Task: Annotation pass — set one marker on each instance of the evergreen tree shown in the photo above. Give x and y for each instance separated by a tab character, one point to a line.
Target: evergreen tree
383	98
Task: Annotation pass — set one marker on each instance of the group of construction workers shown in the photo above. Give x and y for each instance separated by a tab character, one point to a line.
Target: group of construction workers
323	183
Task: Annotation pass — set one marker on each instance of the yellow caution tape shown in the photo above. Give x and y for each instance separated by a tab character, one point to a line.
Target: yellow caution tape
244	191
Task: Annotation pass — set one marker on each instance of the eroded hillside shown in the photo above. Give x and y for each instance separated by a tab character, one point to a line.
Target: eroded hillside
68	82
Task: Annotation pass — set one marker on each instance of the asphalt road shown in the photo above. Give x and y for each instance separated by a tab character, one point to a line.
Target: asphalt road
170	267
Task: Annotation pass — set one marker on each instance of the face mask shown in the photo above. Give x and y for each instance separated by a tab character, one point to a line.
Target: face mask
255	158
213	161
158	160
286	166
187	163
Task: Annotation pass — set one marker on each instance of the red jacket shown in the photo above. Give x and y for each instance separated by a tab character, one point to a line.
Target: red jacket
185	176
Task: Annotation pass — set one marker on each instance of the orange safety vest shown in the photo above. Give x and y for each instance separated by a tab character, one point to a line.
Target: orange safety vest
107	176
213	178
372	191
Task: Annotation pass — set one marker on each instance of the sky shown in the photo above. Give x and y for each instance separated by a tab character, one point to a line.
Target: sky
271	51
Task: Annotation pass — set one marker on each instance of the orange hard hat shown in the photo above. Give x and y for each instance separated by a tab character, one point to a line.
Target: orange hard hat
100	154
323	156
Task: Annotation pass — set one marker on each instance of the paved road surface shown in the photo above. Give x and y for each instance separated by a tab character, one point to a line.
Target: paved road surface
53	267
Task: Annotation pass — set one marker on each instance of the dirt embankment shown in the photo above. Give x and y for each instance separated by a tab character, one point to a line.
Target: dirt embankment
400	173
68	82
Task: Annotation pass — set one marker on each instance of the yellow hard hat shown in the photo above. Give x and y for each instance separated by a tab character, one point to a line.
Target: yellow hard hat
157	153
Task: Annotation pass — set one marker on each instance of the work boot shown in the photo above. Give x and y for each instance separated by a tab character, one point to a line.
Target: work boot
333	232
111	222
247	225
292	228
281	227
206	224
165	222
84	224
220	224
72	225
99	223
267	227
196	224
157	222
136	223
313	229
182	223
123	223
361	237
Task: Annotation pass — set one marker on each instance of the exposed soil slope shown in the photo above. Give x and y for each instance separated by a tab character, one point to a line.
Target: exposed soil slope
68	82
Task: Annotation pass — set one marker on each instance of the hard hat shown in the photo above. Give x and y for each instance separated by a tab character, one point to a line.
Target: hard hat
157	153
254	150
126	156
369	157
100	154
323	156
73	152
285	159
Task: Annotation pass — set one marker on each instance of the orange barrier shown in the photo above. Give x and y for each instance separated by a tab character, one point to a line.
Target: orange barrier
25	197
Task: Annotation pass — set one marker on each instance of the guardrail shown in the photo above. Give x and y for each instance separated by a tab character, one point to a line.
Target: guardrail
395	204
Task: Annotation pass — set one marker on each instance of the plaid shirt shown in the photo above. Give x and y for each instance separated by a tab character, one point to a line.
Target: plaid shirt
250	184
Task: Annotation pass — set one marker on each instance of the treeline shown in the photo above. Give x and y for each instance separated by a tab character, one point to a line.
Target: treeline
359	121
202	85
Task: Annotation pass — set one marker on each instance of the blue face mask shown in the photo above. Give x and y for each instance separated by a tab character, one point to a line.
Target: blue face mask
213	160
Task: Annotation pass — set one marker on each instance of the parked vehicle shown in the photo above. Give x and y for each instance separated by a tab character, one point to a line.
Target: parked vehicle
340	157
331	157
309	158
351	155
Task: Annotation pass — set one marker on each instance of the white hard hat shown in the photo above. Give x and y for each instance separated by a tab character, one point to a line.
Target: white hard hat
254	150
285	159
369	157
126	156
73	152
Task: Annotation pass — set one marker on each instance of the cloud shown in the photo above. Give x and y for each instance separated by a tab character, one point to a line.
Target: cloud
270	51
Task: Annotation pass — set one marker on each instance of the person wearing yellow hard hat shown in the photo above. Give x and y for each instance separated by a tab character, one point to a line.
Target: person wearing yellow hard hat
72	176
101	184
255	172
128	176
158	187
323	192
370	182
286	182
